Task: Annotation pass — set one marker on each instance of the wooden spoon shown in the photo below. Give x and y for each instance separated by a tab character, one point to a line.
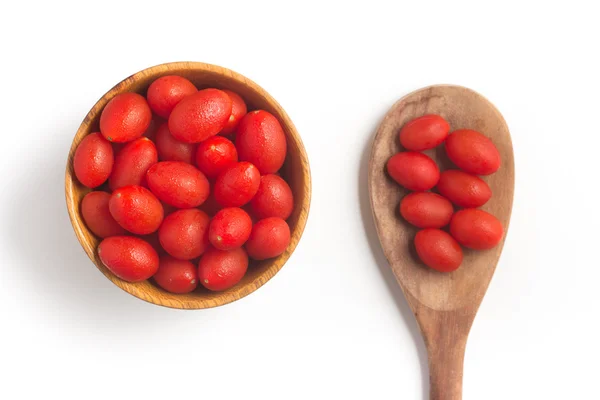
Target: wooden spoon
444	304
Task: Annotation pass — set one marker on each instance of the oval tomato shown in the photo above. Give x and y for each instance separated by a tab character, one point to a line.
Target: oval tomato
463	189
222	269
125	118
184	234
177	183
136	209
237	184
426	210
238	110
424	133
128	257
176	276
415	171
171	149
473	152
269	238
438	250
476	229
260	140
200	115
230	228
166	92
132	163
93	160
274	198
97	217
214	155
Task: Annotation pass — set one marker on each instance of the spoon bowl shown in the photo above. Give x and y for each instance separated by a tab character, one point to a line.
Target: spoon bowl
444	304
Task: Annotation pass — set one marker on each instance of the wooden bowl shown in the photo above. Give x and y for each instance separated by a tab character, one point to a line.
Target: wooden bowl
296	171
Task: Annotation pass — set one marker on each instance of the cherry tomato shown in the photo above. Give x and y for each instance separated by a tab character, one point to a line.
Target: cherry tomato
269	238
222	269
177	183
415	171
125	118
260	140
426	210
128	257
464	190
424	133
200	115
132	162
473	152
93	160
273	199
229	228
476	229
166	92
176	276
171	149
238	110
97	217
438	250
136	209
237	184
214	155
184	234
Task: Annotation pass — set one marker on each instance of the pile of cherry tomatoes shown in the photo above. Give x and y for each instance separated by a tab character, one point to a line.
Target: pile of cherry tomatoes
187	186
474	154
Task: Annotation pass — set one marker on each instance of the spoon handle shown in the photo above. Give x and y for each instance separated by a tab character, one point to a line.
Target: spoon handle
446	370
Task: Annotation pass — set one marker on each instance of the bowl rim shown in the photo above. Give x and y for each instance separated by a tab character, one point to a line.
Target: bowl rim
220	298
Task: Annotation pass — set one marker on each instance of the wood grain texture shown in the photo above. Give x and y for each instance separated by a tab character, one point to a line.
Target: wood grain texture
296	171
444	304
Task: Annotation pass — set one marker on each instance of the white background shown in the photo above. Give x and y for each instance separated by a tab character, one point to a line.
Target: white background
332	324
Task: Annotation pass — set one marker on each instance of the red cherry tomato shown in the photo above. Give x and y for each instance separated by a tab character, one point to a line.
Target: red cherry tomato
200	115
171	149
473	152
464	190
414	171
176	276
214	155
166	92
426	210
424	133
238	110
128	257
125	118
136	209
97	217
184	234
260	140
177	183
438	250
269	238
132	163
237	184
93	160
273	199
230	228
476	229
222	269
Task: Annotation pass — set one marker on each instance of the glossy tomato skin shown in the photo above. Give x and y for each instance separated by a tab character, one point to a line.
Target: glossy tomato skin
230	228
176	276
93	160
238	110
438	250
424	133
200	115
97	217
177	183
426	210
260	140
214	155
269	238
132	163
476	229
136	209
222	269
129	258
184	234
237	184
125	118
463	189
166	92
171	149
415	171
273	199
473	152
